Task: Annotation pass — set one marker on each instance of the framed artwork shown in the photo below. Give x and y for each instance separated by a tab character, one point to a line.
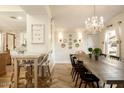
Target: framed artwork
65	41
70	43
75	40
38	31
77	45
63	45
70	47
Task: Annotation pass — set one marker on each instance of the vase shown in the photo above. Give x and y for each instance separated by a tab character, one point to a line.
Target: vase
96	58
90	56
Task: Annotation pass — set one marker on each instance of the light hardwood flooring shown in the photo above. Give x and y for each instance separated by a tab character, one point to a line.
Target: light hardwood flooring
61	78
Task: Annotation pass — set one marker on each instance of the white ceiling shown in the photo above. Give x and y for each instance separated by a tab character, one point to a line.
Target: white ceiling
68	17
10	24
34	9
14	25
71	17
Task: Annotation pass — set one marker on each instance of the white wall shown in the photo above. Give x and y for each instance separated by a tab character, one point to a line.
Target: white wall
114	21
38	19
47	45
62	54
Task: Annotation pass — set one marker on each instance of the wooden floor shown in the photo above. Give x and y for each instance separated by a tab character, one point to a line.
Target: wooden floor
61	78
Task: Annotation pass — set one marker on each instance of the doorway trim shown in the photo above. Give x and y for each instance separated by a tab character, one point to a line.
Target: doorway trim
14	46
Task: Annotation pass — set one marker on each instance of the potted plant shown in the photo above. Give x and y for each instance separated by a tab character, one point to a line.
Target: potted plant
97	52
90	52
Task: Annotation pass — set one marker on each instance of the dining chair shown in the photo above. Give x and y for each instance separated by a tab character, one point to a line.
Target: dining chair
104	55
44	73
71	59
88	79
79	70
114	57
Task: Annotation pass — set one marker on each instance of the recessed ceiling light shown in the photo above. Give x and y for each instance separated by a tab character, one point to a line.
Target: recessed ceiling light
13	17
19	17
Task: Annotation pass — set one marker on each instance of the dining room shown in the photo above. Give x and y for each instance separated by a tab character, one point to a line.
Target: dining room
61	46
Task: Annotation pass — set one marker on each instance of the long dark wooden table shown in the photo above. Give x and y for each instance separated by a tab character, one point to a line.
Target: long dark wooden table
107	70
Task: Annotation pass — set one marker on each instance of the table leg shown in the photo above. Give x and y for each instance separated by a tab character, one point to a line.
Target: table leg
35	73
16	73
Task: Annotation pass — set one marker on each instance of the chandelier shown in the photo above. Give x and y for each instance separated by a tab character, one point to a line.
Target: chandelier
94	24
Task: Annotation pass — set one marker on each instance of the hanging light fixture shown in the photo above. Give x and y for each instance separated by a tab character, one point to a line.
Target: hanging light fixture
94	24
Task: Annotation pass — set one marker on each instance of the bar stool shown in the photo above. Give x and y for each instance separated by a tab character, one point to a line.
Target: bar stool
28	68
44	74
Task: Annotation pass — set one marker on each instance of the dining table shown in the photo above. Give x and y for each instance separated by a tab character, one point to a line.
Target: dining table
108	70
18	57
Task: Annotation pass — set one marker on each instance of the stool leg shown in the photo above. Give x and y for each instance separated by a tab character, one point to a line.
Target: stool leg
49	73
48	70
74	76
80	84
86	84
11	80
42	71
76	79
73	72
97	83
104	85
111	85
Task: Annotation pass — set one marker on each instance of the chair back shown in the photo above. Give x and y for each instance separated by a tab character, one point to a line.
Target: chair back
74	61
114	57
71	58
43	60
104	55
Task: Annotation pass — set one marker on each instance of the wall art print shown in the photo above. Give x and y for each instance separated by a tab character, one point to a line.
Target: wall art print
77	45
65	41
38	33
75	40
63	45
69	43
70	47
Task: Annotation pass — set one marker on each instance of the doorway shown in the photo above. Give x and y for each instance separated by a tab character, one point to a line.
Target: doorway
10	41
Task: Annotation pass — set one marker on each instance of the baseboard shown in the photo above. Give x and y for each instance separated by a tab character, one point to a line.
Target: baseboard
62	62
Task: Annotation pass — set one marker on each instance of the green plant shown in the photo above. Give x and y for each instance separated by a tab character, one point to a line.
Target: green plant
90	50
97	51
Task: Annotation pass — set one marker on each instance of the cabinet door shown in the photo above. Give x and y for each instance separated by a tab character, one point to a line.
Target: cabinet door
2	64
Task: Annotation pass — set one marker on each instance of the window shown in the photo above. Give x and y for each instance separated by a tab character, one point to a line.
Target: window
111	45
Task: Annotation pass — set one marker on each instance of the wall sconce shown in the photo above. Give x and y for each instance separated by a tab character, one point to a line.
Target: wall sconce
79	36
79	40
60	40
60	37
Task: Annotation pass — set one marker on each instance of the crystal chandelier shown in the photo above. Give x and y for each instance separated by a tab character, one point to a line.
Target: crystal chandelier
94	24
